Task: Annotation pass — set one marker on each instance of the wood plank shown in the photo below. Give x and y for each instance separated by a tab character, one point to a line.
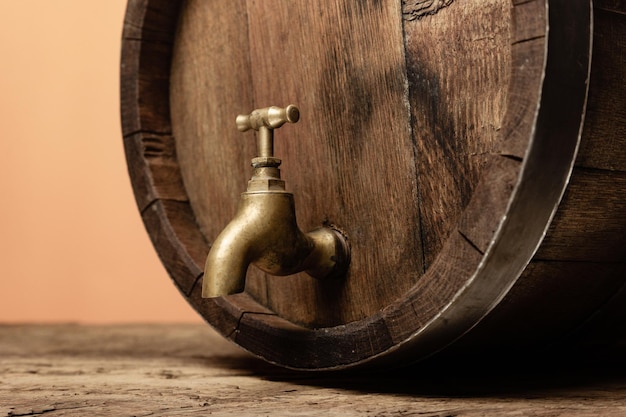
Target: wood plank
528	63
210	78
451	270
488	206
529	20
151	20
604	136
459	65
591	220
349	161
153	168
550	301
182	248
146	53
607	326
528	69
145	87
615	6
188	370
210	85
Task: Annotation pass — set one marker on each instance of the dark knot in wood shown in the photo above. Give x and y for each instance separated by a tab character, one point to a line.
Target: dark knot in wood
416	9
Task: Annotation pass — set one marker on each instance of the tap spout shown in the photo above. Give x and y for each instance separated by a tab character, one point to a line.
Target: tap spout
264	232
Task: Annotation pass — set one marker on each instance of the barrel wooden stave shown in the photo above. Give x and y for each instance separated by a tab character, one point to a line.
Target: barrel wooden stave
575	282
172	220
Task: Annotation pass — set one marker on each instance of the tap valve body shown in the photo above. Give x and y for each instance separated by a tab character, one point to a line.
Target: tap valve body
264	231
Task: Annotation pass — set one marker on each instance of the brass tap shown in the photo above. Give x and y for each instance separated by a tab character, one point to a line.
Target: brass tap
264	231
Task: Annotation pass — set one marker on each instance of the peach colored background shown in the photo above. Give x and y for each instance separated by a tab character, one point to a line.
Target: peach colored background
72	244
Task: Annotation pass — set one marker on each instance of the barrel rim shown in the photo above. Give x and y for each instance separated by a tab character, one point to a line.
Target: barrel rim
148	39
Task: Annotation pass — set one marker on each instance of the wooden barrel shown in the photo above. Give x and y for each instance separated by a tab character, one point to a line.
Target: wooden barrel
472	151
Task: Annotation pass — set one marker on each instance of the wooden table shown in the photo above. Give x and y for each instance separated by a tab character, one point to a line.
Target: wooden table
188	370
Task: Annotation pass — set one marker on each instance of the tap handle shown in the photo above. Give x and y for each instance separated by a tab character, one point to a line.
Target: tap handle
265	121
269	117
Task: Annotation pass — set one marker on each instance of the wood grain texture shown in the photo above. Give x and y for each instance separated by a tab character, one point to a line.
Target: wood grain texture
589	225
544	309
384	74
153	165
458	64
333	160
189	370
183	248
605	123
492	195
615	6
413	139
527	69
210	85
598	178
416	9
148	141
575	283
349	161
148	35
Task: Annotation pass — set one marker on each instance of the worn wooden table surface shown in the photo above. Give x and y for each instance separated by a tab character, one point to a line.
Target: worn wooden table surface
172	370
